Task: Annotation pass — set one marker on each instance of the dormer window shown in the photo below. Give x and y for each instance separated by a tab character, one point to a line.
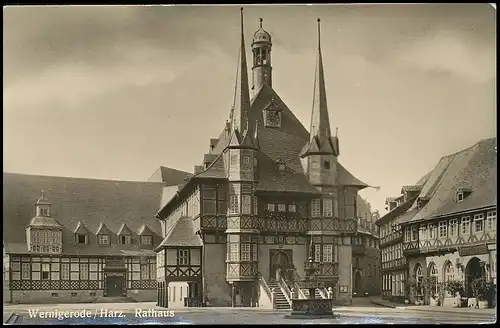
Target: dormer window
44	212
460	196
146	240
272	118
125	240
103	239
281	166
81	239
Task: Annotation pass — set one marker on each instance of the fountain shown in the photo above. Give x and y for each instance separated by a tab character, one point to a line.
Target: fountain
312	307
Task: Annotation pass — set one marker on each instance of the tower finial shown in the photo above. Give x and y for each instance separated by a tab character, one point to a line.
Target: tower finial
42	193
241	18
260	22
319	33
336	132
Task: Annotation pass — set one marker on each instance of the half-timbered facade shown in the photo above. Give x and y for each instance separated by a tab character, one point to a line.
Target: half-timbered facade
80	240
265	187
448	231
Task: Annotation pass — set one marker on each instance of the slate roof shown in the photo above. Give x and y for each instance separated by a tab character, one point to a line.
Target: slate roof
169	176
474	168
182	234
83	204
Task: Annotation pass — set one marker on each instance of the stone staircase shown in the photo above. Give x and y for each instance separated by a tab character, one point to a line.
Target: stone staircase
281	302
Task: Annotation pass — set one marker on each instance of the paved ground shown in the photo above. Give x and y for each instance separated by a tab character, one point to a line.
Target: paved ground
123	313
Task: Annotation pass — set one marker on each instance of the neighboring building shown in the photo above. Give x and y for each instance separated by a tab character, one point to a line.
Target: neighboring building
366	253
72	240
266	188
446	225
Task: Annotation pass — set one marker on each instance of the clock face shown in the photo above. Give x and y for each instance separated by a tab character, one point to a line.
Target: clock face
273	118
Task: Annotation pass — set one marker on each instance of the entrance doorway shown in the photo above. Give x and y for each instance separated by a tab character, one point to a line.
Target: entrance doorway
280	259
114	285
473	271
357	283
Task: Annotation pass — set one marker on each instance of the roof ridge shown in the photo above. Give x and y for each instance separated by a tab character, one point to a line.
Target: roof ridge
81	178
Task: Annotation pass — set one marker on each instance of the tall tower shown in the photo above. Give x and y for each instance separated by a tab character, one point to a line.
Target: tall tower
319	155
261	49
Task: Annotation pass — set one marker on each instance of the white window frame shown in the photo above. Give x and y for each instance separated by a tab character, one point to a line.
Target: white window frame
271	207
443	229
465	225
460	196
104	239
479	218
45	268
317	252
281	208
292	208
316	208
146	240
234	204
234	252
413	234
246	204
183	257
255	252
327	253
84	271
453	230
327	207
245	252
491	218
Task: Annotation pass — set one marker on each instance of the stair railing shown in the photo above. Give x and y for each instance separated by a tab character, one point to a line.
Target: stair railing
264	284
296	285
284	287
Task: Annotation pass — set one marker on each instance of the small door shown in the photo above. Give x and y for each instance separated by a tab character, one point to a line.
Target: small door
114	286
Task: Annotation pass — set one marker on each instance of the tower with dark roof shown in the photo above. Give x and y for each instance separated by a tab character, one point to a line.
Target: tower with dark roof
261	50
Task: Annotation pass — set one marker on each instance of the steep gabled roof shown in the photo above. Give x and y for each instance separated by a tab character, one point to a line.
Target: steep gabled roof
145	231
473	168
85	201
46	222
103	230
81	229
182	234
124	230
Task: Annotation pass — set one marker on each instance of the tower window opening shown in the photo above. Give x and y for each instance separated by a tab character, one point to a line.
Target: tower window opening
326	165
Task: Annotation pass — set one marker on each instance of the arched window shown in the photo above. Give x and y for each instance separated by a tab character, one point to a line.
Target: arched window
433	274
449	272
419	278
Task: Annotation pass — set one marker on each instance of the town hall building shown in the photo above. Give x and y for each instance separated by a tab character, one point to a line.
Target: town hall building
266	191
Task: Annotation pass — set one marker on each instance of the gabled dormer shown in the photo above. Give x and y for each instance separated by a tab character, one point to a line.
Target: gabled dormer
462	193
410	191
391	203
81	234
124	235
145	236
44	233
422	201
103	235
281	166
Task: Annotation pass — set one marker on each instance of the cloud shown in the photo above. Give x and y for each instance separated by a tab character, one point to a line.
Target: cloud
447	52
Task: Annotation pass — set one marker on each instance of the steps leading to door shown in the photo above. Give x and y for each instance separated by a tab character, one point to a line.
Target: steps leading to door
281	301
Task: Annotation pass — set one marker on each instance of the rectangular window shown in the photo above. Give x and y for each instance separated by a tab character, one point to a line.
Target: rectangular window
316	208
255	252
246	188
327	253
183	256
407	234
317	253
478	223
453	228
64	271
209	192
103	239
246	161
465	225
443	229
25	271
209	206
271	207
327	207
145	272
246	204
245	252
292	208
281	208
234	252
335	253
82	239
147	240
84	271
414	233
491	217
233	204
45	271
255	206
125	240
432	230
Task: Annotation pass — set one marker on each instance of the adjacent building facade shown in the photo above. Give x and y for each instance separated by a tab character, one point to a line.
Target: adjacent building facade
366	253
266	190
443	227
69	240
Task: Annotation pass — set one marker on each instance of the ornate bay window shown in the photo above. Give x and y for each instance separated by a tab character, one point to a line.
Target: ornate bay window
316	208
327	207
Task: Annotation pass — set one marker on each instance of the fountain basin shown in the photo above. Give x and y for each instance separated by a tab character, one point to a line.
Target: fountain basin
311	309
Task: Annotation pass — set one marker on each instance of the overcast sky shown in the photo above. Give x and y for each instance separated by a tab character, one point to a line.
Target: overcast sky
115	92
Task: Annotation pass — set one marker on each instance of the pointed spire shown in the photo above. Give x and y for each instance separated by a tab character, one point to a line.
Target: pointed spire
320	121
260	22
241	107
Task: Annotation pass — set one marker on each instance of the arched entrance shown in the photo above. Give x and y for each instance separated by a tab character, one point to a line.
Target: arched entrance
279	260
358	288
473	271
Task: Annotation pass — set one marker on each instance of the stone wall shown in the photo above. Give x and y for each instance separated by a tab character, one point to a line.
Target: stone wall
216	289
